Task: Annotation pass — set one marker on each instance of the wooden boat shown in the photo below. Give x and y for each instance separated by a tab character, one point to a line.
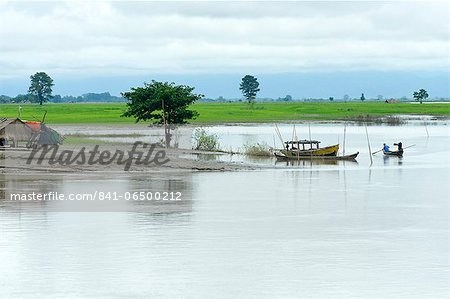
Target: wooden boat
309	148
394	153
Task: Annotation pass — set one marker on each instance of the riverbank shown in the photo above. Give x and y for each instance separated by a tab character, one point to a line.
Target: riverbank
78	158
220	113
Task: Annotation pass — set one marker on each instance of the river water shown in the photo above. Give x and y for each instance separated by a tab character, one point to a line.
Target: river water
335	230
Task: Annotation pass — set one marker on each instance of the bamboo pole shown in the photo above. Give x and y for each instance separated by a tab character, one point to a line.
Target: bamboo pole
409	146
368	144
276	131
293	131
426	128
298	146
339	142
309	129
377	152
343	143
279	136
164	122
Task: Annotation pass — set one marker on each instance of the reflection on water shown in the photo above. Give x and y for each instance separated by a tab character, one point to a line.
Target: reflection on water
119	192
392	160
267	161
318	231
304	163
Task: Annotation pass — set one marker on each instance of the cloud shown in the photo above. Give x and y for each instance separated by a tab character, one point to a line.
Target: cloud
119	38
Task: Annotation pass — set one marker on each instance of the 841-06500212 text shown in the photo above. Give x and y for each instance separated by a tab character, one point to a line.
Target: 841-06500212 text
98	195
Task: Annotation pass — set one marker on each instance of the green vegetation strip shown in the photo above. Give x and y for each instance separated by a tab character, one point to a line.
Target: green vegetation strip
71	140
109	113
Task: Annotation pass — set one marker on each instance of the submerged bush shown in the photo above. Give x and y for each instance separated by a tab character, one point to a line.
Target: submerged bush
258	149
376	119
205	141
393	120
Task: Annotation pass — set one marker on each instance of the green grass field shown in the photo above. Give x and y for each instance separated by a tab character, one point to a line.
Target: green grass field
224	112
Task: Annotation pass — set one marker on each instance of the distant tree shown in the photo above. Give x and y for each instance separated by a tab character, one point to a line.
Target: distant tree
420	95
331	99
363	98
57	99
5	99
380	97
346	97
41	87
163	103
288	98
23	98
100	97
249	87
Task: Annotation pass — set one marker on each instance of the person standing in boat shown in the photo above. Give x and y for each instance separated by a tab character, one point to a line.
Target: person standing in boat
400	146
385	148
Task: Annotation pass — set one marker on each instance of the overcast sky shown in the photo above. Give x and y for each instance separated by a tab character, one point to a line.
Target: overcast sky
79	39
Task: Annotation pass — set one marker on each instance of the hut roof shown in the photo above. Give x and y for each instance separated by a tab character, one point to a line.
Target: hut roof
14	128
304	141
7	121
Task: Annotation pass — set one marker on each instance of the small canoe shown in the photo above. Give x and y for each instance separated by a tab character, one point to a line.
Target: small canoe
393	153
282	156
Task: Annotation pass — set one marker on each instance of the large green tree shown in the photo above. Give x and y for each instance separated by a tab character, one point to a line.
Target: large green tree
163	103
41	87
249	87
420	95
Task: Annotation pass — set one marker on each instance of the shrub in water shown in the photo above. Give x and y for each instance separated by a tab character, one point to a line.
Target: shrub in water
259	149
205	141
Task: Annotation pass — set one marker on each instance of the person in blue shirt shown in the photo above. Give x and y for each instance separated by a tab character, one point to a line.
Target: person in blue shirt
385	147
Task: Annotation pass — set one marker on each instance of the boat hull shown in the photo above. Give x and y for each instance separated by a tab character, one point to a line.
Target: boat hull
324	151
352	157
393	153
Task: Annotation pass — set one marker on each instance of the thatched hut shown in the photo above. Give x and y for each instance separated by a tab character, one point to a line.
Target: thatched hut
13	130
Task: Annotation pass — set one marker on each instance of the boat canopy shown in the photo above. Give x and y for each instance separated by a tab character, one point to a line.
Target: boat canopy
304	141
